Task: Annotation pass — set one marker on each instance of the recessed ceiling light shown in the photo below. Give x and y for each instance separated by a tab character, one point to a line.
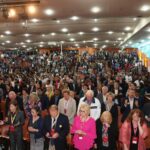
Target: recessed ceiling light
7	32
43	35
53	34
110	32
95	44
64	30
3	43
145	8
62	42
81	33
95	20
107	41
12	13
49	12
28	41
95	29
40	45
26	34
76	45
58	21
134	19
2	36
84	41
34	20
130	42
95	9
74	18
68	34
104	46
72	39
24	46
41	42
8	42
31	9
119	38
95	39
127	28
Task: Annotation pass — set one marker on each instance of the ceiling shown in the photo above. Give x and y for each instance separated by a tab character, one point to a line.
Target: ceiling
116	22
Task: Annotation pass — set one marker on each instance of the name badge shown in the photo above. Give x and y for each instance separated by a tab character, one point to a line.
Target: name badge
134	140
11	128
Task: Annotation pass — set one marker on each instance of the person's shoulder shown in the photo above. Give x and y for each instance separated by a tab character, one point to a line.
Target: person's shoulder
63	117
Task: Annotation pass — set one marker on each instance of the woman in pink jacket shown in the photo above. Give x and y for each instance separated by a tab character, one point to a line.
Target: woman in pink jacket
84	129
133	131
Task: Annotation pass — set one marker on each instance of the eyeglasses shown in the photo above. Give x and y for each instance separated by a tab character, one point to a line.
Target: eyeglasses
81	111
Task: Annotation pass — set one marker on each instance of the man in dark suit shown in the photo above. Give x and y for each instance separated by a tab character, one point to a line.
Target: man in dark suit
56	128
129	104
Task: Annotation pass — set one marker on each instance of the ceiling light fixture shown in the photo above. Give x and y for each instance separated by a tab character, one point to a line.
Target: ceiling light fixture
26	34
49	12
95	9
72	39
53	34
127	28
95	29
110	32
64	30
81	33
7	32
34	20
12	13
74	18
31	9
145	8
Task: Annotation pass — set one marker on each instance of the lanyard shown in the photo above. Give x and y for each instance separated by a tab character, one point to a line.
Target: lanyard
13	118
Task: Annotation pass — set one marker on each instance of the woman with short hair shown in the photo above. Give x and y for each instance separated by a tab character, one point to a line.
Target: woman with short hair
84	129
106	132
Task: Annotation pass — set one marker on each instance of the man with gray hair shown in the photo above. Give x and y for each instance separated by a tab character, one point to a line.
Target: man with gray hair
93	102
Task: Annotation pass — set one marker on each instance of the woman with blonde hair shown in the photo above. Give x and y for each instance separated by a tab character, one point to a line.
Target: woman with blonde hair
106	132
133	131
34	101
84	129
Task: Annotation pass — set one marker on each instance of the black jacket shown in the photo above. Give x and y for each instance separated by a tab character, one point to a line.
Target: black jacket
112	136
62	128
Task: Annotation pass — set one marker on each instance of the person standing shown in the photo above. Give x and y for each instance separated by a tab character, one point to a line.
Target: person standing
83	129
55	129
35	129
67	105
15	121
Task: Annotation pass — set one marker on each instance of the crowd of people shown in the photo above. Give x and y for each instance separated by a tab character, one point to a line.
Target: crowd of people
84	97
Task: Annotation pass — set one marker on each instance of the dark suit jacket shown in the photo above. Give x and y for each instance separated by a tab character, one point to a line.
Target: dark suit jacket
52	101
112	136
62	128
126	110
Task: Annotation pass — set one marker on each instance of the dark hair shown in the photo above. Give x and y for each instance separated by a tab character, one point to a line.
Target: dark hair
14	102
136	111
37	109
